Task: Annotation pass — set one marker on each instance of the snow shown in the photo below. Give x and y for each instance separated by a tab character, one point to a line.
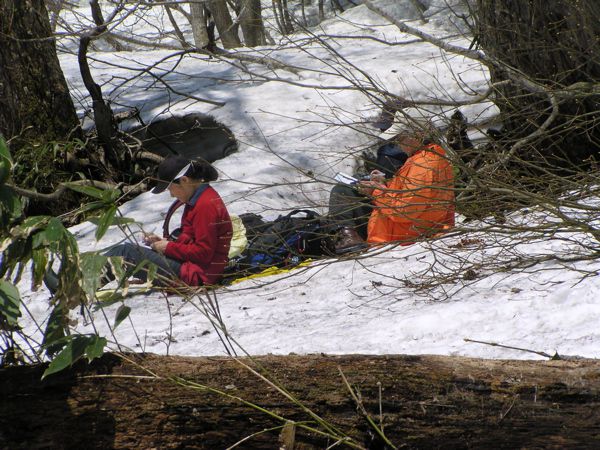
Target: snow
290	126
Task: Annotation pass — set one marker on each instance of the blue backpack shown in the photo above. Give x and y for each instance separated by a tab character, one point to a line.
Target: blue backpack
287	241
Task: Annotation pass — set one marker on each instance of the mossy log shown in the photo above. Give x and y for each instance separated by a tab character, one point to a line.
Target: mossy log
422	402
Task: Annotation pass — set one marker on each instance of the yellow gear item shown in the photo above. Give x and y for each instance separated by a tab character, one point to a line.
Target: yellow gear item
273	270
238	238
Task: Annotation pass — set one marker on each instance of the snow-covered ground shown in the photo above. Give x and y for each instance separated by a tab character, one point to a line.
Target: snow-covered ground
290	126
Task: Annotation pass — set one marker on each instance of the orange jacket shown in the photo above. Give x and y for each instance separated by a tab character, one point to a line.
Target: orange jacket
417	201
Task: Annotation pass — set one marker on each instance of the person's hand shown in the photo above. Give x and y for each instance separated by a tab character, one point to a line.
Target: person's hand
150	238
160	246
367	187
377	176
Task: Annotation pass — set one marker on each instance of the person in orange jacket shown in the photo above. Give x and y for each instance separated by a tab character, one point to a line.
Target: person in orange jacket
417	202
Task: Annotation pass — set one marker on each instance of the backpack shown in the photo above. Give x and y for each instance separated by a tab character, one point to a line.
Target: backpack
287	241
254	224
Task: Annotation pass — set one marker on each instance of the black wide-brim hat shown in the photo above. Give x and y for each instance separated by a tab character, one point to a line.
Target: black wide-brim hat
174	167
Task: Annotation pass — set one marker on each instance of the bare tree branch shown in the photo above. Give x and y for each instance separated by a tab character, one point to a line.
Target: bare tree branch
127	189
440	43
178	33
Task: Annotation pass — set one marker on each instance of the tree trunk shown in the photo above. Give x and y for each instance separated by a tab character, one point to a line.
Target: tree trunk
422	401
222	18
555	44
251	23
278	16
284	21
115	160
198	23
321	11
287	19
35	104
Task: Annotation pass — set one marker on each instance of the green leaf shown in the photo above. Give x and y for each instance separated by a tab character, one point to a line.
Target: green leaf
4	152
107	297
40	240
90	191
122	314
149	266
110	195
40	260
105	221
52	234
23	232
29	226
117	267
116	220
70	245
55	229
34	222
95	347
91	347
4	171
10	303
151	271
74	350
55	330
14	252
92	265
122	220
91	206
10	204
5	162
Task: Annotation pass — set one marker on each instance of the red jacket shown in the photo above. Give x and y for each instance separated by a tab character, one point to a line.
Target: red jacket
203	245
418	201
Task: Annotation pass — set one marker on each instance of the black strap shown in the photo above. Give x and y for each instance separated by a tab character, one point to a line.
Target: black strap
309	214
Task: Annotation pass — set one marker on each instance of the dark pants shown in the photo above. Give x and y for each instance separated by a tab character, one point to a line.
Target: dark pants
135	254
349	208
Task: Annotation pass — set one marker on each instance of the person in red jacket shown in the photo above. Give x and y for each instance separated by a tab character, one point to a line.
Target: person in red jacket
199	254
418	201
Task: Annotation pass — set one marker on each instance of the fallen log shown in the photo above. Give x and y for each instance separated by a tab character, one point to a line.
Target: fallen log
420	401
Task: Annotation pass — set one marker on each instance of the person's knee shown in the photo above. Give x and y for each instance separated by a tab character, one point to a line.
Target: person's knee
125	250
342	190
117	250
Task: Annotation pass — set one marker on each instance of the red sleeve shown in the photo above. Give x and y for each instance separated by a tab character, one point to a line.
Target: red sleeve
199	239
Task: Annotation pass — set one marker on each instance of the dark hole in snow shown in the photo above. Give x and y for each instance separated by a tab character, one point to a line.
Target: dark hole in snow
193	136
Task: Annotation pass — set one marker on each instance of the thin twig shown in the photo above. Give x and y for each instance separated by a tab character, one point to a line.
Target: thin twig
494	344
361	407
505	413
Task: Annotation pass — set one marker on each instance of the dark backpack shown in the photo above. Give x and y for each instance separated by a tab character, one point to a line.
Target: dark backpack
254	224
287	241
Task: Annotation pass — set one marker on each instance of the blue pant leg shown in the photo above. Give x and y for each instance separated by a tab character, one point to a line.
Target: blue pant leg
135	254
